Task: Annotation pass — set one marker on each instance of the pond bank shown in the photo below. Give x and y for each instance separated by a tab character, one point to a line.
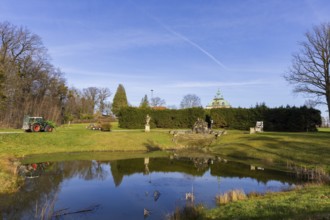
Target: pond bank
268	149
308	202
171	176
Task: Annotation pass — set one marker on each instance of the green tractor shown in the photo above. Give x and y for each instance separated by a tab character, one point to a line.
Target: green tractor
36	124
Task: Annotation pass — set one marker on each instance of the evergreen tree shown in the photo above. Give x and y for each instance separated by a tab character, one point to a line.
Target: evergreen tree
144	102
119	100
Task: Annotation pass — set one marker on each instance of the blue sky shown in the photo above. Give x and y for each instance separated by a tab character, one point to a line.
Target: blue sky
174	47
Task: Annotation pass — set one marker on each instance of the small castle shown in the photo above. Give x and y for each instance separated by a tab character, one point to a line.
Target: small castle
218	102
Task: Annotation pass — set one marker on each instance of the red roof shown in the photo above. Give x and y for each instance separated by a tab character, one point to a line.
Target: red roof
159	108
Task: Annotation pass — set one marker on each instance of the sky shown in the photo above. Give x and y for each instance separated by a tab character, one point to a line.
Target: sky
175	48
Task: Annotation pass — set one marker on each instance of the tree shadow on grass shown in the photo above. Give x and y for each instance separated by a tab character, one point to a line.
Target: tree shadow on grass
152	146
300	152
310	135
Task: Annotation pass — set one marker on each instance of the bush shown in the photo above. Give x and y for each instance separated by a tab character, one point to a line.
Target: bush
105	126
51	123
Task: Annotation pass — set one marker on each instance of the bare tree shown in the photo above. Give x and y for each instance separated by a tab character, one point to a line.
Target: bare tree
29	84
190	101
73	104
310	103
156	102
107	107
104	93
91	97
310	66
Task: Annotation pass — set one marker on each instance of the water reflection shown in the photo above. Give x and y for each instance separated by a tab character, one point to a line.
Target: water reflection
124	189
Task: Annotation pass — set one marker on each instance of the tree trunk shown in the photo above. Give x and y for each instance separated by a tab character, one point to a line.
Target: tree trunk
328	102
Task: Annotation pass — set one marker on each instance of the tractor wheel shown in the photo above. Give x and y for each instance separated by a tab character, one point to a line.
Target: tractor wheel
36	127
48	128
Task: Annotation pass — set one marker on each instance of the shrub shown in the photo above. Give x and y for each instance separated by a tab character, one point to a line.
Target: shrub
105	126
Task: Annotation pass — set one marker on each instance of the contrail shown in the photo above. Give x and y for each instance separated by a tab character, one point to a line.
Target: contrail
189	42
209	55
195	45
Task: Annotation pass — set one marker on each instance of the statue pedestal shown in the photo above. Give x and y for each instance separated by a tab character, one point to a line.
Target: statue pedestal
147	128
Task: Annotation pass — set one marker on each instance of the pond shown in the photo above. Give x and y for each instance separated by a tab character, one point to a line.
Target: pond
123	189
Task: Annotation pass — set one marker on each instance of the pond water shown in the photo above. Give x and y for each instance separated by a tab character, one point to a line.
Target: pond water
123	189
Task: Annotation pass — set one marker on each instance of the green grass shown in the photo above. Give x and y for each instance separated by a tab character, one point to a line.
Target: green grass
76	138
11	130
268	149
277	148
311	202
324	129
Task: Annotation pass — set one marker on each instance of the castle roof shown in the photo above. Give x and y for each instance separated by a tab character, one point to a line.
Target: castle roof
218	102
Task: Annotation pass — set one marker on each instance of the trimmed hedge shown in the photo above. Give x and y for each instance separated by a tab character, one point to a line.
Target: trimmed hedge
275	119
292	119
136	117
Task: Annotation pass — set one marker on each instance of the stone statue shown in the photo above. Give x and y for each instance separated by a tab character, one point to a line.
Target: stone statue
148	119
200	127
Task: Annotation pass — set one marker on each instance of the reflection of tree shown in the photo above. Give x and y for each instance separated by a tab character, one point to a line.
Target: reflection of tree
192	167
183	165
41	189
94	171
33	195
235	169
116	174
122	168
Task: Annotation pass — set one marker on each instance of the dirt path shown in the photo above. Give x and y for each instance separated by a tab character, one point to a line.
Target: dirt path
10	132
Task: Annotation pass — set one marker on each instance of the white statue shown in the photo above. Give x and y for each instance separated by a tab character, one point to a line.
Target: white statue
148	118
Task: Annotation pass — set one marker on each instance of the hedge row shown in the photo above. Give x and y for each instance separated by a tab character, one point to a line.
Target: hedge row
275	119
292	119
136	117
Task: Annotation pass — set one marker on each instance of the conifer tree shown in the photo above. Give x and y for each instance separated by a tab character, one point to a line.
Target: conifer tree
119	100
144	102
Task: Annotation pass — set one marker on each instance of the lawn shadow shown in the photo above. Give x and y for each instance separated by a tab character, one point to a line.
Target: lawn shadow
294	149
152	146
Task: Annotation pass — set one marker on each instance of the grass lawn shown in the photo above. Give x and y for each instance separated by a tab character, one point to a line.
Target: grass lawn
311	202
278	148
268	149
76	138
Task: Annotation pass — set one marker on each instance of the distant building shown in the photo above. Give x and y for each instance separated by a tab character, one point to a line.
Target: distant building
158	107
218	102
